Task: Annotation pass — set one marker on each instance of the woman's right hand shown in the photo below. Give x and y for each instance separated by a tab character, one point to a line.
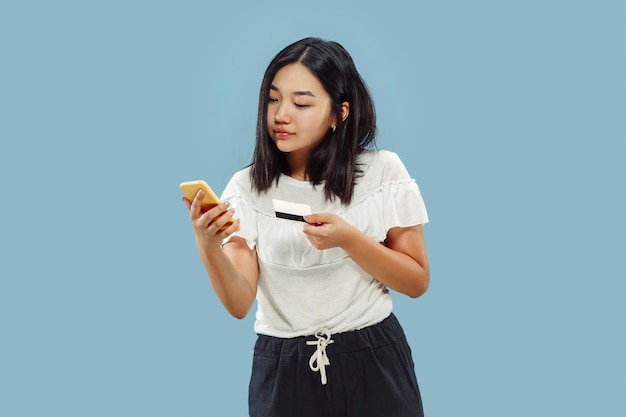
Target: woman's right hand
233	271
209	226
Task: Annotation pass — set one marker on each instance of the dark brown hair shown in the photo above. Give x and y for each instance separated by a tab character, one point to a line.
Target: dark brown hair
333	162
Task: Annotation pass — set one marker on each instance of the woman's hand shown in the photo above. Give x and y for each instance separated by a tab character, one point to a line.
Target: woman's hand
326	231
209	227
400	262
233	270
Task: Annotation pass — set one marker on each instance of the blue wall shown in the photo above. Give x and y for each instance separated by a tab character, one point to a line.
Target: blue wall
510	115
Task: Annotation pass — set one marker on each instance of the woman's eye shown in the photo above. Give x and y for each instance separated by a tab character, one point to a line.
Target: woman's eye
273	100
301	106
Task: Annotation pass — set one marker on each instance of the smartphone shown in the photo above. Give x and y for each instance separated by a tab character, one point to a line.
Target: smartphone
210	199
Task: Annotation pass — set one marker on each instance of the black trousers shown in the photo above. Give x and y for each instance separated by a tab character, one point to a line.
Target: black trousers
371	374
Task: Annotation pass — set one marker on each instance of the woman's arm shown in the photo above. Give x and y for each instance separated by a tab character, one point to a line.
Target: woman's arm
233	273
400	264
233	269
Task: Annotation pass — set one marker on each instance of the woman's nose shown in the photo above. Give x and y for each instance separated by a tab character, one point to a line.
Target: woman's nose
282	114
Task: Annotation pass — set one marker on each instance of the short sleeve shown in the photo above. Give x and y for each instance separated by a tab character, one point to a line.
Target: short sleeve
238	193
402	203
389	198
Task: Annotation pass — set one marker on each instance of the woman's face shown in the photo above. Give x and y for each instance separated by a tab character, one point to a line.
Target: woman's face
299	111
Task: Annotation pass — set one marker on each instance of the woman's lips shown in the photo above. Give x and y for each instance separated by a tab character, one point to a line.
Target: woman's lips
281	134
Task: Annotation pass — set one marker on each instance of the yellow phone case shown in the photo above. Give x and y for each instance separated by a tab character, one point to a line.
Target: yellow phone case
210	199
191	188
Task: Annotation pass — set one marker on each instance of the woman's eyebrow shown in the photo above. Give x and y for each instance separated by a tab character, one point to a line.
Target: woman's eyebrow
303	93
295	93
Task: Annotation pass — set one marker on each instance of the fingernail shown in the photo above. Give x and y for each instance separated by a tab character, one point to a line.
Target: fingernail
307	218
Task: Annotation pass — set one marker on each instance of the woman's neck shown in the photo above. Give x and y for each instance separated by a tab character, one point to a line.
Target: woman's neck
301	176
297	166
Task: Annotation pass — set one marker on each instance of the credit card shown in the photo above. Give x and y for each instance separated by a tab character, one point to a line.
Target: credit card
291	211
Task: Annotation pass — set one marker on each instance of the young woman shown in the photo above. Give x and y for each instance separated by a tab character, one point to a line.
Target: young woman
328	342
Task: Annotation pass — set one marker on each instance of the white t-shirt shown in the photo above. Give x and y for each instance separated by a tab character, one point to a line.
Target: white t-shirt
300	288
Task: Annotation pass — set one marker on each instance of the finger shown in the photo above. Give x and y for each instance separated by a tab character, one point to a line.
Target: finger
316	219
314	242
211	216
223	220
186	201
313	230
196	205
309	238
231	228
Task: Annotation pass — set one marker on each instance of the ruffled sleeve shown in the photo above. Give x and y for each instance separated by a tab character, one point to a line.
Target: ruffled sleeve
237	192
403	205
388	197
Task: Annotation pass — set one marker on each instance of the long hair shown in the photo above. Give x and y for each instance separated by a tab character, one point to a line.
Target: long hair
334	161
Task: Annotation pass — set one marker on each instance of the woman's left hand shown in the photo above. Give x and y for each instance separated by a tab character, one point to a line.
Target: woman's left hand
399	263
326	230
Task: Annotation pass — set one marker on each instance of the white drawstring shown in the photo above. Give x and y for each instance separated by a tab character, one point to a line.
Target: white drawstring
319	360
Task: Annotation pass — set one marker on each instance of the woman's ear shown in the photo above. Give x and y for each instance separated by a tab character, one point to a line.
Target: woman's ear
345	110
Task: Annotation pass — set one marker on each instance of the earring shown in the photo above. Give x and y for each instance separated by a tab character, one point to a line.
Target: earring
334	128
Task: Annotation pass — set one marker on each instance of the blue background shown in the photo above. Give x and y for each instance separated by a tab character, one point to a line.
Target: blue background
510	115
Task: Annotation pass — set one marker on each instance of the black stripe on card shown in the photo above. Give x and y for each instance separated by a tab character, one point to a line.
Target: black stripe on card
289	216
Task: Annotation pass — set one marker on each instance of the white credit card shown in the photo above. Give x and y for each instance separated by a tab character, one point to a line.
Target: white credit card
291	211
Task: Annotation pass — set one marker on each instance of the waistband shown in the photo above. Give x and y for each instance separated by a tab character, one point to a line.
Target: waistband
377	335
